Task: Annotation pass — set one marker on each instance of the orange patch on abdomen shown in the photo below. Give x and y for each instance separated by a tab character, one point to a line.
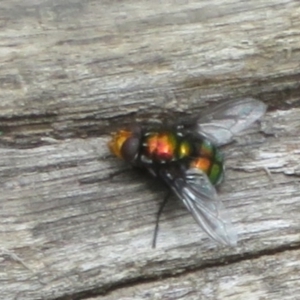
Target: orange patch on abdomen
202	163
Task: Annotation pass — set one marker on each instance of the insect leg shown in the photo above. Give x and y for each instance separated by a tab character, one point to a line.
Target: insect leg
163	204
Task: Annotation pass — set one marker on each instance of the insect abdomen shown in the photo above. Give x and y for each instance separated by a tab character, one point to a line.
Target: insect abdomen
209	160
164	147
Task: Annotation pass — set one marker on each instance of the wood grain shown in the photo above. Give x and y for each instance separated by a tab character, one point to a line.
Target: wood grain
71	225
256	278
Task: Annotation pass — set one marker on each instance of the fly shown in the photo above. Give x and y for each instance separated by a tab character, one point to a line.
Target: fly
187	158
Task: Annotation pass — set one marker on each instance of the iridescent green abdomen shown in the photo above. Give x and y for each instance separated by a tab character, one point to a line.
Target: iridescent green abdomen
194	152
210	160
165	147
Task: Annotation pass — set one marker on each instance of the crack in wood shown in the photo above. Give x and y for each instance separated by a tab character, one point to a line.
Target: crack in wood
107	289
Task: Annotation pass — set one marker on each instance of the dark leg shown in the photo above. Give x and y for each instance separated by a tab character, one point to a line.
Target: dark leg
163	204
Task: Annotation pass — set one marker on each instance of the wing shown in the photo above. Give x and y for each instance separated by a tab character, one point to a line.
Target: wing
202	201
227	119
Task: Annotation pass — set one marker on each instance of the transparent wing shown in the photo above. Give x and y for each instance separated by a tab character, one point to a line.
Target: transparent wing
227	119
201	199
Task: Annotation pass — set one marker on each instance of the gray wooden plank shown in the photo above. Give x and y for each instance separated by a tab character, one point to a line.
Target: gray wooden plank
73	71
77	229
75	65
265	277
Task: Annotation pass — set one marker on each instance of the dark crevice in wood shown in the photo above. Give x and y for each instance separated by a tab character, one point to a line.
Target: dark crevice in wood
18	133
237	258
27	131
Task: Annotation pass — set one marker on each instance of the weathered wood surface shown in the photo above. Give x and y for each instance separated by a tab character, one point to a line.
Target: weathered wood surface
263	277
73	71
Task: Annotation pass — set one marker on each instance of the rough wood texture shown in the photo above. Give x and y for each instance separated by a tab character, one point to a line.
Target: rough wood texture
71	72
259	278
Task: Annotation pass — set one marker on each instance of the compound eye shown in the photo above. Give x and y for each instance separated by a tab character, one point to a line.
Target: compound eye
130	148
